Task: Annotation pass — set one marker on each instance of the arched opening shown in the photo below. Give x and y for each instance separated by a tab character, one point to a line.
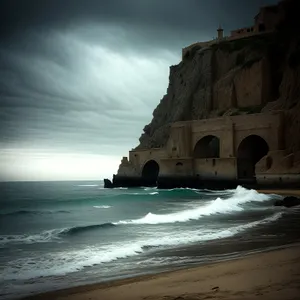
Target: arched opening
250	151
150	172
261	27
207	147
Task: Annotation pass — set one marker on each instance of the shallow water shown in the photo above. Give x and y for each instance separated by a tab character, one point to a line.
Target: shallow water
92	234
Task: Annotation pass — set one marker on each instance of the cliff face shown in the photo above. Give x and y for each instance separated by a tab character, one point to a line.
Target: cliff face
250	75
188	81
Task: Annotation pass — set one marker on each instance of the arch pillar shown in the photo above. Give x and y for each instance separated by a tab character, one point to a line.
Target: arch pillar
227	139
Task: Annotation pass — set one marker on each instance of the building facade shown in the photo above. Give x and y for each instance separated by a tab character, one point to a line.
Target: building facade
222	149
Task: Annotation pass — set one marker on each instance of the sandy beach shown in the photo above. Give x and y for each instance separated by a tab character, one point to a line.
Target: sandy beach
268	275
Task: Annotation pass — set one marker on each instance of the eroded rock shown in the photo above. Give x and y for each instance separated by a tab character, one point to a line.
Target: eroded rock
289	201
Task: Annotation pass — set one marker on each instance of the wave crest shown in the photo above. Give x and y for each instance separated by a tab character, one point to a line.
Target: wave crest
70	261
218	206
102	206
79	229
50	235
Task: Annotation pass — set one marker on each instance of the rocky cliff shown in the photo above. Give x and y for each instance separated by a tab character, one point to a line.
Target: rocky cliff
255	74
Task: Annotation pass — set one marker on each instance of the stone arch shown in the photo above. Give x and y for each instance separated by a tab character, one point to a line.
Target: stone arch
250	151
207	147
150	172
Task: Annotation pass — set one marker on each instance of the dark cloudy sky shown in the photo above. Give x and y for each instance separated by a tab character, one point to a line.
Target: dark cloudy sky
79	79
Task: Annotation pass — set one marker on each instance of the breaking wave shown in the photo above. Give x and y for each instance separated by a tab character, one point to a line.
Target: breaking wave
43	237
234	203
74	260
50	235
102	206
79	229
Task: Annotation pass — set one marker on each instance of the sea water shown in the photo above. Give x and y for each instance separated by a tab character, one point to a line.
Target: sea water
56	235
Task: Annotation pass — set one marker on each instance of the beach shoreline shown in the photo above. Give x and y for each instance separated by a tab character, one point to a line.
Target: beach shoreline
273	274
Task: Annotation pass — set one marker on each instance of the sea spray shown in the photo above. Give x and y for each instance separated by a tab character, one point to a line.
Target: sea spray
39	242
74	260
218	206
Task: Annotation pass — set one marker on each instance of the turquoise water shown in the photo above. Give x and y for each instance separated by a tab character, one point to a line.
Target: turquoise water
92	234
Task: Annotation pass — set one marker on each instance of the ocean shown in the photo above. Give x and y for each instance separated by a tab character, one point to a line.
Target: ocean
55	235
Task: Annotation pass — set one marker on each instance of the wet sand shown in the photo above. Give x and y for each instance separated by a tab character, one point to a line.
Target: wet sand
268	275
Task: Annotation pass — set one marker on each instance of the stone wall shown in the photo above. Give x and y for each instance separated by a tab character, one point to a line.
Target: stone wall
176	167
241	32
177	158
216	168
269	16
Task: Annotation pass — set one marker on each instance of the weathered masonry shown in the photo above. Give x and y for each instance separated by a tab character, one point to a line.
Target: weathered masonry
222	149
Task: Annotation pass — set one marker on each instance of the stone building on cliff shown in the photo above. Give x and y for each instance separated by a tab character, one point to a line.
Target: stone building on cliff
231	114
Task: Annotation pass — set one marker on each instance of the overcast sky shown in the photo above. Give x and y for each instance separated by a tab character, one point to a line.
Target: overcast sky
79	79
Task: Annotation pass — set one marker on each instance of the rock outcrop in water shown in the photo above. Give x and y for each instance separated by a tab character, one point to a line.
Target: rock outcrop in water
289	201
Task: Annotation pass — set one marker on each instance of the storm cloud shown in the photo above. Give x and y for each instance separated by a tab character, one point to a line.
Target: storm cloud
80	79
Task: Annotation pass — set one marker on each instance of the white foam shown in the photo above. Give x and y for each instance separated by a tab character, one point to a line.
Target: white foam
74	260
149	188
182	189
102	206
219	206
43	237
198	236
88	185
144	193
67	261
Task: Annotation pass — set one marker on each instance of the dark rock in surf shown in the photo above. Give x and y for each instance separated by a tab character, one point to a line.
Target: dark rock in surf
108	184
289	201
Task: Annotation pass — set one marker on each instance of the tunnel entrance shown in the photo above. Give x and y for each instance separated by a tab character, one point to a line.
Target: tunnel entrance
207	147
250	151
150	172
